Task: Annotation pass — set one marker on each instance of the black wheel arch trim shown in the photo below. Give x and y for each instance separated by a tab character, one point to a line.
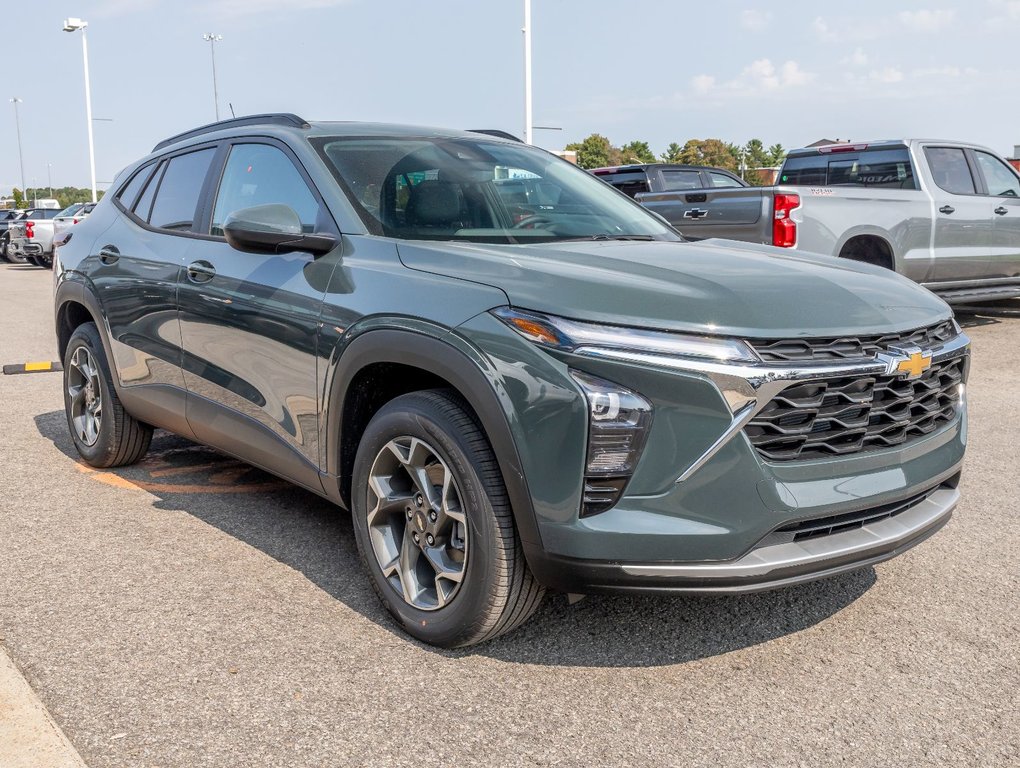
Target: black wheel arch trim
447	361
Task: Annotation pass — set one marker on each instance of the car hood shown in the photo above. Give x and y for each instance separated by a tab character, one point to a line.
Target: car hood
712	286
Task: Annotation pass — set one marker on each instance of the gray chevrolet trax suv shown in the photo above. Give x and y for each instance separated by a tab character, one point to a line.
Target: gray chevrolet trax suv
513	376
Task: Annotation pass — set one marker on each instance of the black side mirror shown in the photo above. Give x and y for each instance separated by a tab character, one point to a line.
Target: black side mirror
273	228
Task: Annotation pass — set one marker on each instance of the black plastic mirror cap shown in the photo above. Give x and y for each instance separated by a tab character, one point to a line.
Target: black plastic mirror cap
271	229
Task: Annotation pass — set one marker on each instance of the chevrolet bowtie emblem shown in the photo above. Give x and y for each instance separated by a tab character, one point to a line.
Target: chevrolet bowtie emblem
914	365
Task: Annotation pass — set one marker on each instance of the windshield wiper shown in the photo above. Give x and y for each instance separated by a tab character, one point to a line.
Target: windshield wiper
607	236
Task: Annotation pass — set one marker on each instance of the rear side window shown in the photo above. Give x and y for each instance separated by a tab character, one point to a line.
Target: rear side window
880	168
722	180
950	170
1002	180
129	192
177	197
144	204
674	180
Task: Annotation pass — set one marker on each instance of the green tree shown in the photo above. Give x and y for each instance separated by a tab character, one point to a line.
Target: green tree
712	152
776	154
594	152
672	153
755	155
19	198
636	152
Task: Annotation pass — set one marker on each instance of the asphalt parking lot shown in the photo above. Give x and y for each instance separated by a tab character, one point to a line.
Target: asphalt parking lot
193	611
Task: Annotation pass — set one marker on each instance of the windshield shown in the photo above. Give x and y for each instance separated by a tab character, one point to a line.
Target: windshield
481	191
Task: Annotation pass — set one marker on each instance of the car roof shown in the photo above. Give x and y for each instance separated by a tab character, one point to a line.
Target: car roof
644	167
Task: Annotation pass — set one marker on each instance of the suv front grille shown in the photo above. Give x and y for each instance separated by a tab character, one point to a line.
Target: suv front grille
834	417
850	347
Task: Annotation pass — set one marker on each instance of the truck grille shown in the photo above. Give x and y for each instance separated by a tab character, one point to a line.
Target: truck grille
850	347
839	416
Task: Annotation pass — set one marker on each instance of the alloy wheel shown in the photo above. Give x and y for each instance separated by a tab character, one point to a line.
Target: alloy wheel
416	523
86	395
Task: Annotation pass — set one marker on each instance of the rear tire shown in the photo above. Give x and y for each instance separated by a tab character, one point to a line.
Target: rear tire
465	579
104	434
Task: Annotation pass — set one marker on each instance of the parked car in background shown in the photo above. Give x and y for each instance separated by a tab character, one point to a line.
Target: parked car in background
945	214
509	394
70	216
31	237
7	217
652	178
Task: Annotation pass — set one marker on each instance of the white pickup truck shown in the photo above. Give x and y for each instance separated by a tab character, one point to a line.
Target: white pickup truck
945	214
31	238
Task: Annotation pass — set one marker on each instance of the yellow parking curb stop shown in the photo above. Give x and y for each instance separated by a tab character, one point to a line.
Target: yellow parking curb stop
32	367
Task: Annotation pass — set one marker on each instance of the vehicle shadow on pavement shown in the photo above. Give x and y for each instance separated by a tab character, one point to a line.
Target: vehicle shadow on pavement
314	537
970	316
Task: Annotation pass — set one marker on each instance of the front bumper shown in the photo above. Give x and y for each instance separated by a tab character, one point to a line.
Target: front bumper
770	566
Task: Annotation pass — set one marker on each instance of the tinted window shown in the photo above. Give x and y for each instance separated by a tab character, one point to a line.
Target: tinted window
259	174
144	204
1002	181
129	192
477	189
723	180
884	168
177	196
950	170
672	180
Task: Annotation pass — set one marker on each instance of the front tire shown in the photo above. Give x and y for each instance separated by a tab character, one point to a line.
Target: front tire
434	525
104	434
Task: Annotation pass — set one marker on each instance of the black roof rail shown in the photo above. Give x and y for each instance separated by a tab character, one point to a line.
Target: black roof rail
495	132
271	118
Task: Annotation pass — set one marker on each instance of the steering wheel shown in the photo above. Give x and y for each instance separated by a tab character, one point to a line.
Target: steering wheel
533	221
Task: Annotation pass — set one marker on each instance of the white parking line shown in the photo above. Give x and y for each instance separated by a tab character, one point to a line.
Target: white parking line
28	736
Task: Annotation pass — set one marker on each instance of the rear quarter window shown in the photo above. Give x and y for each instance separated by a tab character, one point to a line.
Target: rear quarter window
880	168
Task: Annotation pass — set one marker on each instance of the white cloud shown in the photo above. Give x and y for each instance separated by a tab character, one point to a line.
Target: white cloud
927	20
856	59
757	77
888	75
703	83
822	30
755	20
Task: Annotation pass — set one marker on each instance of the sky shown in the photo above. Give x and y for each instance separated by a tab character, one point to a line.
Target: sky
650	70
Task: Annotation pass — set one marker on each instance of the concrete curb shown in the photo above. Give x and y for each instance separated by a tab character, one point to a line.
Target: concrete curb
28	736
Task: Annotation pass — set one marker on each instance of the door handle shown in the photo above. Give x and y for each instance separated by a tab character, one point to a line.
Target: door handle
201	271
697	197
947	209
1002	210
109	254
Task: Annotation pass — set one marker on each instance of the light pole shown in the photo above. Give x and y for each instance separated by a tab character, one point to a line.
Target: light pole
73	25
212	39
21	157
49	176
527	72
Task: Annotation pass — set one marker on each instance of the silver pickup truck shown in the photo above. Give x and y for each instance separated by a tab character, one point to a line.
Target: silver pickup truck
945	214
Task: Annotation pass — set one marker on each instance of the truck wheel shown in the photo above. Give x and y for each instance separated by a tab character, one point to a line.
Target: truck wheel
3	249
104	434
45	261
434	526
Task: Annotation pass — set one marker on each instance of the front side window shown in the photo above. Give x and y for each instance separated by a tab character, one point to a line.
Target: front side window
1002	180
261	174
950	170
478	190
70	211
177	197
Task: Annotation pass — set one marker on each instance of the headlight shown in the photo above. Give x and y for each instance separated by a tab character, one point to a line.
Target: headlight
581	337
618	423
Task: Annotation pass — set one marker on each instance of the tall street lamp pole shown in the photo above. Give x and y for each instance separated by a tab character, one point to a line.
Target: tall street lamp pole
21	157
73	25
212	39
527	72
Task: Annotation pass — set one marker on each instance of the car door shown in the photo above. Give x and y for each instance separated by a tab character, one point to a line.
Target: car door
963	226
135	267
1002	184
249	321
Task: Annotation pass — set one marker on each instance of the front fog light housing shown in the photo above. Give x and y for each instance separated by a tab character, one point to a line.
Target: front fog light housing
618	424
